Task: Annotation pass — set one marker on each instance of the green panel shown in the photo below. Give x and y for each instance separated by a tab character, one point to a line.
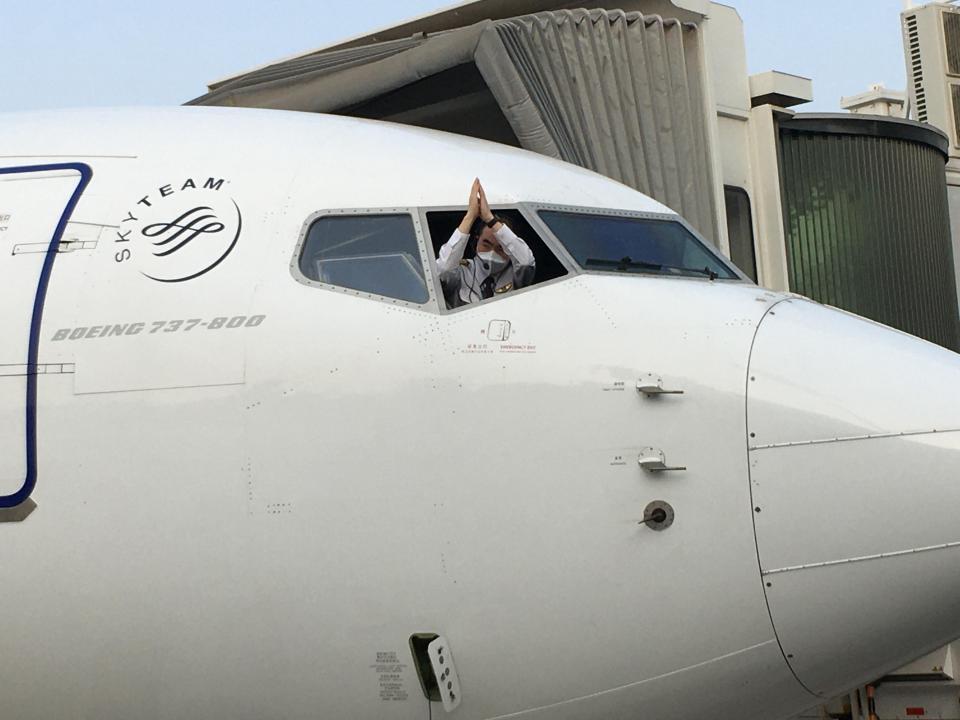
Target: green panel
868	230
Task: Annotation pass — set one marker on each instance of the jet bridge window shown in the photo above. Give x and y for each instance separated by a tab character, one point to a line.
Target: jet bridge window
740	230
376	254
635	245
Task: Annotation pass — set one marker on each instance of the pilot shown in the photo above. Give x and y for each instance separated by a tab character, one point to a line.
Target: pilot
502	262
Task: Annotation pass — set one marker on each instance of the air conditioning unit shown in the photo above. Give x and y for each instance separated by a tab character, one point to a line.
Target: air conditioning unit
931	41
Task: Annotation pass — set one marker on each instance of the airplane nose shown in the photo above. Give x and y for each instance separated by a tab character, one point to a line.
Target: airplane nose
854	444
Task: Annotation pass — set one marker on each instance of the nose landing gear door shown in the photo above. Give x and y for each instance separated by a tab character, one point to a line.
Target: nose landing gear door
36	203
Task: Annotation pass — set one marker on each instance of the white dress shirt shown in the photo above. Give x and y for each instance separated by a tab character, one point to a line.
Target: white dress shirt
462	279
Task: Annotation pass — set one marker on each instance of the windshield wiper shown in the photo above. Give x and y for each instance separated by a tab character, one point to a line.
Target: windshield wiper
628	263
702	271
621	265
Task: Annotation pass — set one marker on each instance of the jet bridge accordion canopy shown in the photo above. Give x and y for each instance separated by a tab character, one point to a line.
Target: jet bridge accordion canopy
616	92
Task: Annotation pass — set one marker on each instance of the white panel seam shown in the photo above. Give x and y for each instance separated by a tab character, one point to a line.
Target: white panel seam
854	438
640	682
847	561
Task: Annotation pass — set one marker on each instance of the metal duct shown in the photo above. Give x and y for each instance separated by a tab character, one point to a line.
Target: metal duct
339	79
306	65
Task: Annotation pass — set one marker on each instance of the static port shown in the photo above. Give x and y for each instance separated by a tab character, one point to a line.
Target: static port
658	515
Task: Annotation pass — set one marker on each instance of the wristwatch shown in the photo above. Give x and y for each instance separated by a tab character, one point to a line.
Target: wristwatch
492	222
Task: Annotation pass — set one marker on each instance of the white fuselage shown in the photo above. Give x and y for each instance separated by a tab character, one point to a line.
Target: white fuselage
247	506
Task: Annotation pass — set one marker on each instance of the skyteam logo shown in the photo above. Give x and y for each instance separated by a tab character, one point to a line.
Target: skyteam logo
181	231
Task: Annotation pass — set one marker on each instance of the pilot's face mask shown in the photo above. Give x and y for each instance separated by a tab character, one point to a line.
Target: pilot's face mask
489	250
493	260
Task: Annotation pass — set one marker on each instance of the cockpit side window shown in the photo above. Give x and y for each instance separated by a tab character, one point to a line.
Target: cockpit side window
634	245
377	254
443	223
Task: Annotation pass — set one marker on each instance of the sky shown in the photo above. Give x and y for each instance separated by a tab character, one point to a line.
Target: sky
83	53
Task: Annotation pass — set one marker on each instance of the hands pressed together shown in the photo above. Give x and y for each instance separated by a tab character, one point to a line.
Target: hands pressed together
477	207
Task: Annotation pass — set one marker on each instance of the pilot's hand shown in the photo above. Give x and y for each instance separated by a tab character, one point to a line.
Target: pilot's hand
473	206
485	213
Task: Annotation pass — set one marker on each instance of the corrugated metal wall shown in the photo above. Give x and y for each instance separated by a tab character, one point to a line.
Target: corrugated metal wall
868	229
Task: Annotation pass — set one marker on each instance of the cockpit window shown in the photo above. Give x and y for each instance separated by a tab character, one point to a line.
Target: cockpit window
464	284
377	254
634	245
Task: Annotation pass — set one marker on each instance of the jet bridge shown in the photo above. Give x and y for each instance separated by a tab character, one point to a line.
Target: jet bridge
526	81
